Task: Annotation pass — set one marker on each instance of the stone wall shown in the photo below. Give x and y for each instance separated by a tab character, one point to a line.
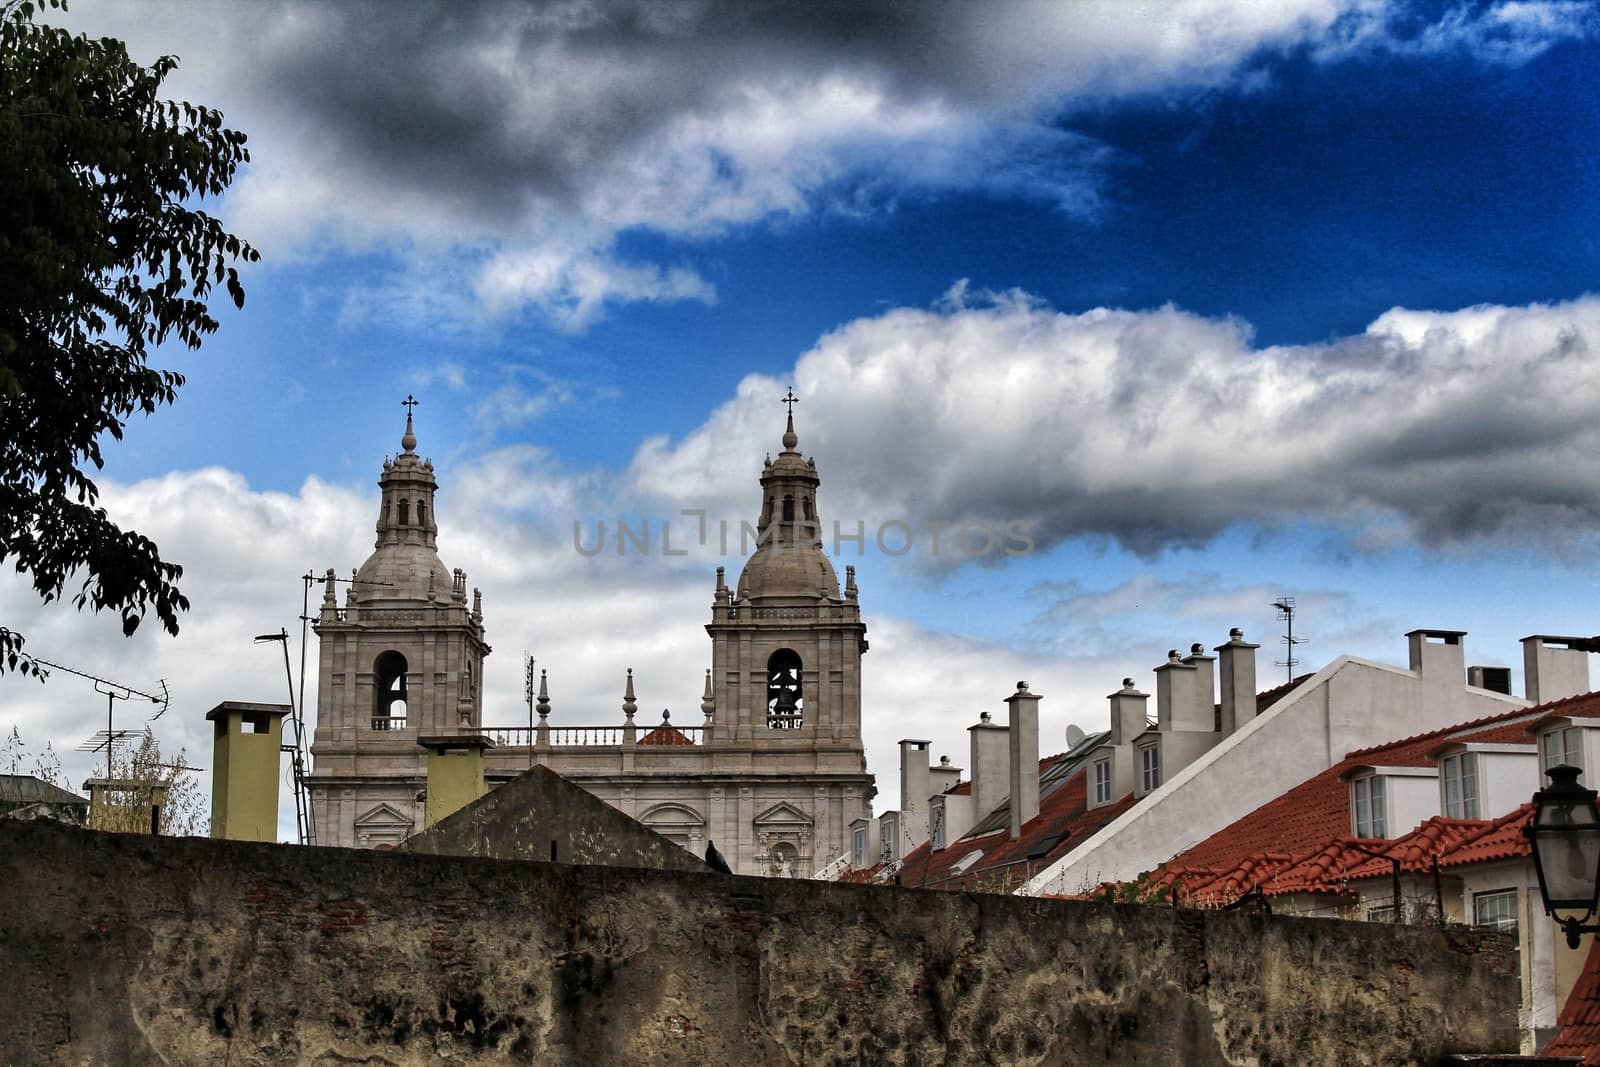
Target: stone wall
539	815
124	949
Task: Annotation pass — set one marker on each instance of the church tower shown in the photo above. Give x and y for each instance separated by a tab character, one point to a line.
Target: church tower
786	664
402	658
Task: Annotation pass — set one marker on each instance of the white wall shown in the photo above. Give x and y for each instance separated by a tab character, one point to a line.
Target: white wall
1349	704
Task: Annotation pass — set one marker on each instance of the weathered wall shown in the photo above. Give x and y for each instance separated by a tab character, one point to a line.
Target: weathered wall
539	815
125	949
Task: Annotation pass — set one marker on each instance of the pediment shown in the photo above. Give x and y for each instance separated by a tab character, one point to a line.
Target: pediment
383	817
672	815
783	814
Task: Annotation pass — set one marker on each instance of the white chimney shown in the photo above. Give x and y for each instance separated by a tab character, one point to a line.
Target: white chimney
1236	668
1553	668
1024	745
1204	712
1438	656
944	777
1129	714
914	775
990	778
1178	695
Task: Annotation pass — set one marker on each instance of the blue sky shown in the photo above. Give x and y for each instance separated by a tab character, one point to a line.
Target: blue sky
1221	299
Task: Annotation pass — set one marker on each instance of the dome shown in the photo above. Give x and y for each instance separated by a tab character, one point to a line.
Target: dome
788	570
403	572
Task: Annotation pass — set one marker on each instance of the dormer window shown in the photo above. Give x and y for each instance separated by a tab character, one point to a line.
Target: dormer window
1102	781
1459	777
1149	768
1367	806
1561	746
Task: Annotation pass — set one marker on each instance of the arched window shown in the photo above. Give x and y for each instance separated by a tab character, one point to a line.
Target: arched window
806	504
785	697
422	514
389	683
788	509
405	513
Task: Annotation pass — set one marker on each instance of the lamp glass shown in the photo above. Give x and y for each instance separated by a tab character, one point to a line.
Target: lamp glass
1565	834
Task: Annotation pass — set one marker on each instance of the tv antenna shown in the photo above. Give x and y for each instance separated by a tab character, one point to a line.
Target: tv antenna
111	739
1285	606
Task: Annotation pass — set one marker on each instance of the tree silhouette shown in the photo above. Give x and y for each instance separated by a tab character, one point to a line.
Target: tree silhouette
102	254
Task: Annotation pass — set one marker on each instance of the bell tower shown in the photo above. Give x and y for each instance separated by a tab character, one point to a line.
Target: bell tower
402	659
786	645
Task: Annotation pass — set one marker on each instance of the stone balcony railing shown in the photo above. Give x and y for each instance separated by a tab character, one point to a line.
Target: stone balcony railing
545	736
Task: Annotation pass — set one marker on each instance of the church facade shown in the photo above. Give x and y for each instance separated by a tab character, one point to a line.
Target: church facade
774	774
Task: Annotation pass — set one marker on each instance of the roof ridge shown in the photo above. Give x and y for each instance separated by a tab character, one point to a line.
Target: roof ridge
1470	724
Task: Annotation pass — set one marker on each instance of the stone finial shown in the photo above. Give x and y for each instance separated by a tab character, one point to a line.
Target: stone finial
544	696
850	590
708	702
328	597
666	716
722	586
477	604
629	705
350	593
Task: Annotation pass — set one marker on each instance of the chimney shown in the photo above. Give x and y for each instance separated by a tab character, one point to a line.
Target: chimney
914	775
1024	738
455	773
1554	667
943	777
1129	714
1205	688
1494	679
246	753
989	758
1236	669
1438	656
1178	695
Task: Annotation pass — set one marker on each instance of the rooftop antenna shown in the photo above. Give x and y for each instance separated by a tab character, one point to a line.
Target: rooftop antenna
296	749
110	739
1285	606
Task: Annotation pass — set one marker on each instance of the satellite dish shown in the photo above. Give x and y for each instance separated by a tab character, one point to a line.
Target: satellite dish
1074	735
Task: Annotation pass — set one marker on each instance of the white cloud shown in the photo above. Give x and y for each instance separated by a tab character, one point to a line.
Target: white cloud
1162	428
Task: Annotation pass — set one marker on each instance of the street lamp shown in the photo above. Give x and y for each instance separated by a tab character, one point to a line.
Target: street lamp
1565	832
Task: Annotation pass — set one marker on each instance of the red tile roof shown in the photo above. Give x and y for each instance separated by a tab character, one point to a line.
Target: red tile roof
1301	842
666	735
1580	1016
1316	813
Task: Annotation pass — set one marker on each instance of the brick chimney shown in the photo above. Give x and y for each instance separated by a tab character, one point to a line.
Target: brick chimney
1552	668
1024	746
990	756
1236	669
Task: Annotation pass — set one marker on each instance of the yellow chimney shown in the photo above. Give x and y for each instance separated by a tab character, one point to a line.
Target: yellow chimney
455	773
244	770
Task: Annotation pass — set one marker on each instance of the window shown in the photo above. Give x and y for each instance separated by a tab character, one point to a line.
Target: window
1149	768
1383	913
1102	781
785	698
1496	910
389	682
1367	802
1460	776
1562	746
858	848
